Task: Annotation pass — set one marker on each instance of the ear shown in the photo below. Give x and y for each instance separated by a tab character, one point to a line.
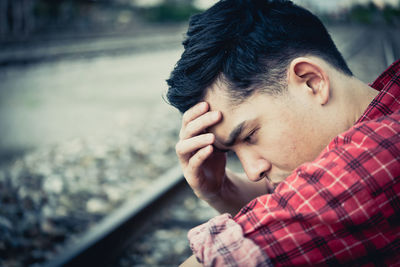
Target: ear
310	74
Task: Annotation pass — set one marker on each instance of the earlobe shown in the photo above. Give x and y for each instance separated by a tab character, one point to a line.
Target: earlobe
307	72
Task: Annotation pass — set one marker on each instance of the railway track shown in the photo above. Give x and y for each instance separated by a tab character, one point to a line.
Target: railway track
107	241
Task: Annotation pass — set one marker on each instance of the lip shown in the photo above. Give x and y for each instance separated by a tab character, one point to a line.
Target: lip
270	180
274	185
277	178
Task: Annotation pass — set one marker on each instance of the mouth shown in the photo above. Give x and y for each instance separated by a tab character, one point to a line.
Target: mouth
275	185
276	181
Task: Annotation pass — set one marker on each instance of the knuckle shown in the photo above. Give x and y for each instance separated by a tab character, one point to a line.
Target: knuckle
184	120
186	117
190	127
192	160
178	148
193	113
197	159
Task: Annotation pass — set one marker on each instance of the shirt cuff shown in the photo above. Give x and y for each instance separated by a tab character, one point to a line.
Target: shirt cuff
220	242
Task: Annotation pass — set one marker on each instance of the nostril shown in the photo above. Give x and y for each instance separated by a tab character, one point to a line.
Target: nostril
262	174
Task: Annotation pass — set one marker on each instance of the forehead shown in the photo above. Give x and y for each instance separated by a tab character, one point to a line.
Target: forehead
220	98
217	96
221	92
233	112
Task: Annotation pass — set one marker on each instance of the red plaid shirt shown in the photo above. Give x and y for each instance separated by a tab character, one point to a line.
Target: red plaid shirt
342	208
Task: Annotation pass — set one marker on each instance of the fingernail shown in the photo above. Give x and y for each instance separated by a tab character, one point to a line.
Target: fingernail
215	115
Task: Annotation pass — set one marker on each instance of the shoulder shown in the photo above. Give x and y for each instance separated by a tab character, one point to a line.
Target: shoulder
392	73
366	153
374	139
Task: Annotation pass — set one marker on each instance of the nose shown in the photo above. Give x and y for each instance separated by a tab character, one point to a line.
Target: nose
255	166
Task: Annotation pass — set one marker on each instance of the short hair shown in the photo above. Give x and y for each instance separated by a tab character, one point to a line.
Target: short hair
248	44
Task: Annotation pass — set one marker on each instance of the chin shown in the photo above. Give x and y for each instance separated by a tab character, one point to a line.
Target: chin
278	178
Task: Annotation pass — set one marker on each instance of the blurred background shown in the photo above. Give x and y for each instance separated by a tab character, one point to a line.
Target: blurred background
83	123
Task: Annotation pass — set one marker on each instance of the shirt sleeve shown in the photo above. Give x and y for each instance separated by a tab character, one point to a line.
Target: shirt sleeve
221	242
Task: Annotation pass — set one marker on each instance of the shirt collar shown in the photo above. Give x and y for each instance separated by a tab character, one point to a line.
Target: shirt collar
388	99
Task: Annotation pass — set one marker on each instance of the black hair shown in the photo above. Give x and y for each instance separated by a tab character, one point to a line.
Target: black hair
248	44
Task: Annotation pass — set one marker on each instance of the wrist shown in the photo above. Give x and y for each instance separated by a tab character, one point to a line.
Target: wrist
208	197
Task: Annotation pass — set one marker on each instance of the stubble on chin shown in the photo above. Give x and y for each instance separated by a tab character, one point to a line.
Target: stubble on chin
276	179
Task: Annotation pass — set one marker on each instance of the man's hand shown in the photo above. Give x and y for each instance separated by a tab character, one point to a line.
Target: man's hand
204	166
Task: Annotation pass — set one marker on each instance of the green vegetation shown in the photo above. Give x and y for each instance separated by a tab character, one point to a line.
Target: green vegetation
364	13
391	14
169	12
370	13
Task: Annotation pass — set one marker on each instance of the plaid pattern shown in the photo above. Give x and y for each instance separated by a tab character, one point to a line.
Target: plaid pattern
211	248
342	208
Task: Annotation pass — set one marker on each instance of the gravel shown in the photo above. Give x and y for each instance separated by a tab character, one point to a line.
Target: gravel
165	242
51	196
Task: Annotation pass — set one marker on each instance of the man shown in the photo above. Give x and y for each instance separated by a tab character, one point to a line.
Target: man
320	149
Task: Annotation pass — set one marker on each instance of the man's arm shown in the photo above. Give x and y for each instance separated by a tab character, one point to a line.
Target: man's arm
191	262
237	192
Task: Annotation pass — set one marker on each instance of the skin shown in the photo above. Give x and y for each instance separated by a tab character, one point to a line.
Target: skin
273	134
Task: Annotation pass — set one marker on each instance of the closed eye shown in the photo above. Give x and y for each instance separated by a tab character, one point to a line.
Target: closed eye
250	138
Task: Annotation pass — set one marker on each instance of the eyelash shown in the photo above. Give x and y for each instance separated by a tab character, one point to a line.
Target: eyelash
248	139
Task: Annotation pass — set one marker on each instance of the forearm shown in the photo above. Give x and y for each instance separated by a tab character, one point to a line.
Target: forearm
238	193
249	189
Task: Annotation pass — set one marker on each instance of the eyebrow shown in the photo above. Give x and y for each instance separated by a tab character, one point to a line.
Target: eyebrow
235	133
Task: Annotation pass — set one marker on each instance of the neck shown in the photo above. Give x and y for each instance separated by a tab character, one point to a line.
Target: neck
358	96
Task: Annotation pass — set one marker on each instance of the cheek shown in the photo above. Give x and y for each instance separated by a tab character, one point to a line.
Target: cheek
279	146
301	146
291	149
289	145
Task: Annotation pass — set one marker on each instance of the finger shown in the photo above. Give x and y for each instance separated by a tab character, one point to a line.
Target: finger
198	159
200	124
185	148
194	112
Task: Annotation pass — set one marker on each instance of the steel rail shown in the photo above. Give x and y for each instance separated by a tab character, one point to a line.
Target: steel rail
106	241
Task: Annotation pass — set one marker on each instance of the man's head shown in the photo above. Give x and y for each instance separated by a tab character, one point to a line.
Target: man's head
247	44
268	68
